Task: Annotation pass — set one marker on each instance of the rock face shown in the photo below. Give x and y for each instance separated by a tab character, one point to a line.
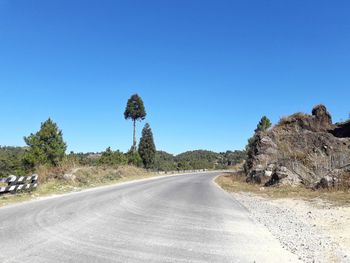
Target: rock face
302	149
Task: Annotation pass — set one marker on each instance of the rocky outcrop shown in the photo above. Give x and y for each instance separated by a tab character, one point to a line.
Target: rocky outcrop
342	130
302	149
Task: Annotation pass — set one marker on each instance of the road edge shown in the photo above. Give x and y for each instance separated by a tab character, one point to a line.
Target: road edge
90	189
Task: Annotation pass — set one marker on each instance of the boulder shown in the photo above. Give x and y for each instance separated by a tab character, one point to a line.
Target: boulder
322	118
301	149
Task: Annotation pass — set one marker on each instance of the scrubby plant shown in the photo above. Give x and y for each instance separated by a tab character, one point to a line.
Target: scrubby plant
112	158
133	158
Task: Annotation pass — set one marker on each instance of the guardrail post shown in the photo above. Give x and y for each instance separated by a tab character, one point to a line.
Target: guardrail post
17	183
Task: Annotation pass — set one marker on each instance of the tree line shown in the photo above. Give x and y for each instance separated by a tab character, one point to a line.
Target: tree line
46	147
198	159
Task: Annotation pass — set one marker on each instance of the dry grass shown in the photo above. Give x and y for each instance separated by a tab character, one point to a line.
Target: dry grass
62	180
299	116
51	173
235	182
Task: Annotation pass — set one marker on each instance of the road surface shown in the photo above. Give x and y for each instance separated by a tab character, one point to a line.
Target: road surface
185	218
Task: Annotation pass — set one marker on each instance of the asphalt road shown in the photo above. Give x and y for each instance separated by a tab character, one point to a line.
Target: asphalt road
184	218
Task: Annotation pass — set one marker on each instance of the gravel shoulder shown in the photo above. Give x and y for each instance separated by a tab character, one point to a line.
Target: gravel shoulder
314	231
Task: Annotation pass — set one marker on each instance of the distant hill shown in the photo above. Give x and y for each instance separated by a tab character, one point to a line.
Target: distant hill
198	159
11	160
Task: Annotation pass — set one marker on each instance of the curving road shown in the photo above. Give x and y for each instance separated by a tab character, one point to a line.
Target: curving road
184	218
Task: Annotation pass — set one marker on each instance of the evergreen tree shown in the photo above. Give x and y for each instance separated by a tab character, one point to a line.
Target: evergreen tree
147	148
106	157
135	110
46	147
263	124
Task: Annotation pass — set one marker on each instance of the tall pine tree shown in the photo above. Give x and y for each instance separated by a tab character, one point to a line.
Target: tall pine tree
135	110
147	148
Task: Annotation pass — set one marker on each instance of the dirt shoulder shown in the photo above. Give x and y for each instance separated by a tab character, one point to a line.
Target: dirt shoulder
313	225
81	178
77	179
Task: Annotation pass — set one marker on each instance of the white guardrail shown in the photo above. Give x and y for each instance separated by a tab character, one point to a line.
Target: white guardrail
17	183
182	171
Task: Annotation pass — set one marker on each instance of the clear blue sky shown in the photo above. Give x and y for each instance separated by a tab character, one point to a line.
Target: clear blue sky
207	70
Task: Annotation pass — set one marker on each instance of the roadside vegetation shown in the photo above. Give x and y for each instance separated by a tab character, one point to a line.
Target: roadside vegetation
56	181
236	182
45	154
